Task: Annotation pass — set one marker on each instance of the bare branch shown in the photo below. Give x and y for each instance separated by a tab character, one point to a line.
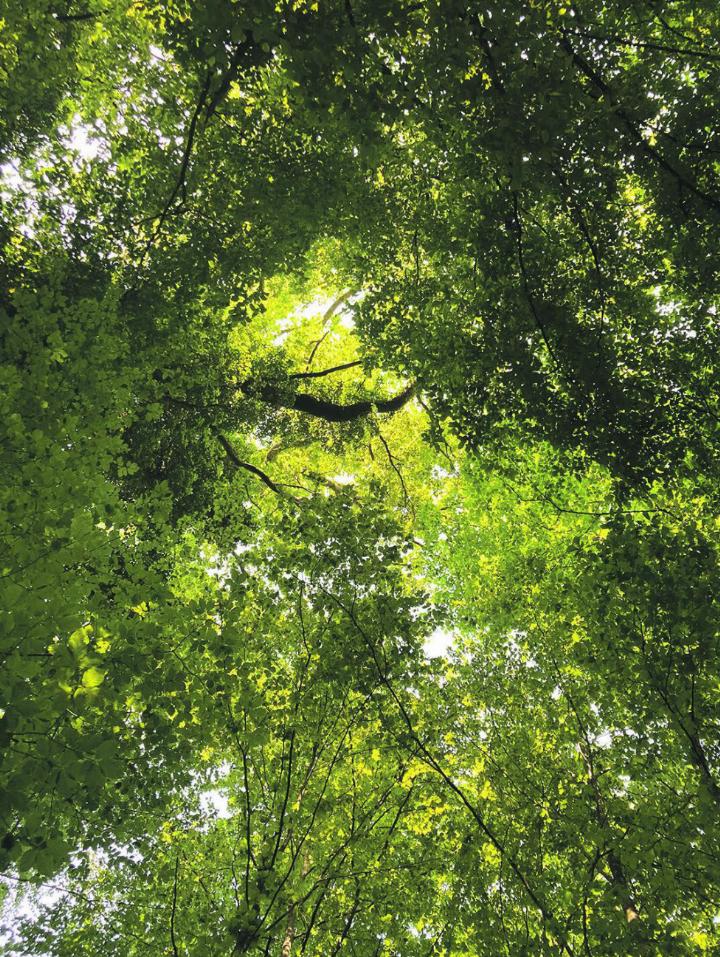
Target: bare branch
174	909
323	372
329	313
238	463
393	463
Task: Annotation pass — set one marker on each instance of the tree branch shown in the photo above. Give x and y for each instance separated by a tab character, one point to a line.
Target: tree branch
525	282
645	44
335	412
238	463
323	372
603	90
393	464
431	761
180	182
329	313
73	17
174	909
249	46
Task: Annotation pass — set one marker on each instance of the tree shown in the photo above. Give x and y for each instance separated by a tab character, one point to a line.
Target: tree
325	326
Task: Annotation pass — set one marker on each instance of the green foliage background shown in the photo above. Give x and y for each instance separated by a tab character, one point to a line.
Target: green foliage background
333	334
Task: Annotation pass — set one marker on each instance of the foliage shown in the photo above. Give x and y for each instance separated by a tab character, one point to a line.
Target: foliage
332	331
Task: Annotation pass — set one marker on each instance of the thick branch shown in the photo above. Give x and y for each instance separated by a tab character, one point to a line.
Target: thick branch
73	17
335	412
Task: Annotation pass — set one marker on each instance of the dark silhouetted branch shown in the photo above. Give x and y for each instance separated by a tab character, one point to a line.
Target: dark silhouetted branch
174	909
74	17
238	463
602	89
335	412
322	372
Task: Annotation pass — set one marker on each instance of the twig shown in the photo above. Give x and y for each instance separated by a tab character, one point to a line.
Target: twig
323	372
604	90
643	44
393	463
174	908
238	462
329	313
180	186
526	285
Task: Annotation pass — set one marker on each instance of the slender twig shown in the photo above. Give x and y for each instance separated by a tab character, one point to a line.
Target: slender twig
432	762
643	44
176	952
602	89
525	282
329	313
238	463
541	497
180	183
393	463
78	896
323	372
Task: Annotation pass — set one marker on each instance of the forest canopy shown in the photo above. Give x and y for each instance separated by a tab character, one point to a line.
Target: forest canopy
359	510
